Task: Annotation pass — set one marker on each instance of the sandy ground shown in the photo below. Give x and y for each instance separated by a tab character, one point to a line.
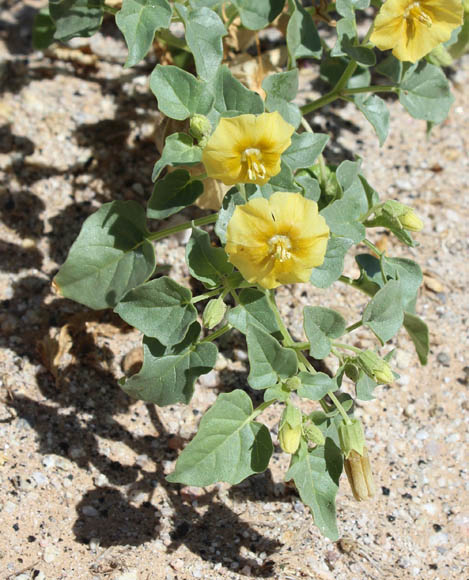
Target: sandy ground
82	487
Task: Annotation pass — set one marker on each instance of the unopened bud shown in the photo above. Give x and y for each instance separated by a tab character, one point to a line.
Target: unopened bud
411	221
351	437
313	434
289	434
214	312
352	372
375	367
358	470
200	128
293	383
405	215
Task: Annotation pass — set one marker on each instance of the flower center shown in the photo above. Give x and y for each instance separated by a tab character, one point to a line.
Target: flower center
279	247
415	12
253	158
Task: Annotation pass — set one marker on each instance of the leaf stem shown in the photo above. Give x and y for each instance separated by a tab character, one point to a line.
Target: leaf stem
354	326
202	221
346	346
216	334
206	295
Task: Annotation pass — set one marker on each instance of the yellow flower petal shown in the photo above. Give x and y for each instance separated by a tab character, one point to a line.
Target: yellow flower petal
247	148
414	28
277	241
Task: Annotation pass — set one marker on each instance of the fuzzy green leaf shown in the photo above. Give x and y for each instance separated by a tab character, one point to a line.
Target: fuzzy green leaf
173	193
280	89
258	14
418	332
384	314
253	309
320	325
302	37
304	149
268	360
179	149
76	17
109	257
206	263
180	95
160	308
168	374
315	387
332	267
138	20
377	113
229	445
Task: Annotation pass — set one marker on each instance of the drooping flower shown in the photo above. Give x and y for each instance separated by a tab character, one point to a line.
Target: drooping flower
277	240
412	29
247	148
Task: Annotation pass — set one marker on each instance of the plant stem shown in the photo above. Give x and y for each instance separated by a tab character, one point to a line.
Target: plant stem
202	221
206	295
346	346
370	89
352	327
339	407
283	329
354	284
216	334
373	248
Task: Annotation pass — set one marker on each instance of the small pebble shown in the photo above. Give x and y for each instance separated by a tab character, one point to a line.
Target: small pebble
50	554
129	575
443	358
40	478
90	511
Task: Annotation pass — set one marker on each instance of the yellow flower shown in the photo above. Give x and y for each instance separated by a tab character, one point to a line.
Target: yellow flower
277	241
413	29
247	149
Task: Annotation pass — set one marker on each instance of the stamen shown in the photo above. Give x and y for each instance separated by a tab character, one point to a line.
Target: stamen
279	247
415	12
255	168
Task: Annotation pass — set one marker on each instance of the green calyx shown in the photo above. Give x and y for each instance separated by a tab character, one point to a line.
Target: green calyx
289	434
404	215
375	367
214	312
351	437
200	128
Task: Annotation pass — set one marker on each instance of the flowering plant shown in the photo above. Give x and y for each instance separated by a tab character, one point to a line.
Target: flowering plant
285	217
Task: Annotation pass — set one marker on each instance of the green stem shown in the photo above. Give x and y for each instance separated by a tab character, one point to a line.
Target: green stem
206	295
369	89
203	221
354	284
216	334
352	327
110	9
346	346
372	247
339	407
258	410
283	329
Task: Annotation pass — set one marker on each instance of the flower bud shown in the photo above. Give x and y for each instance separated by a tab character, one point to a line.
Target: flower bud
410	221
214	312
313	434
200	128
359	475
351	437
405	215
352	372
289	434
375	367
293	383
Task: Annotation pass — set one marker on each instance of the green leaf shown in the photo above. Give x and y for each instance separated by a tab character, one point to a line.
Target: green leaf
384	314
160	308
424	92
258	14
230	201
253	310
391	67
370	280
281	88
347	173
304	149
302	37
333	266
365	387
179	149
109	257
174	192
232	96
315	387
347	8
418	332
316	487
410	276
206	263
204	32
180	95
309	184
348	44
320	325
376	111
332	68
168	374
43	29
75	17
229	445
138	20
268	360
342	218
283	181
